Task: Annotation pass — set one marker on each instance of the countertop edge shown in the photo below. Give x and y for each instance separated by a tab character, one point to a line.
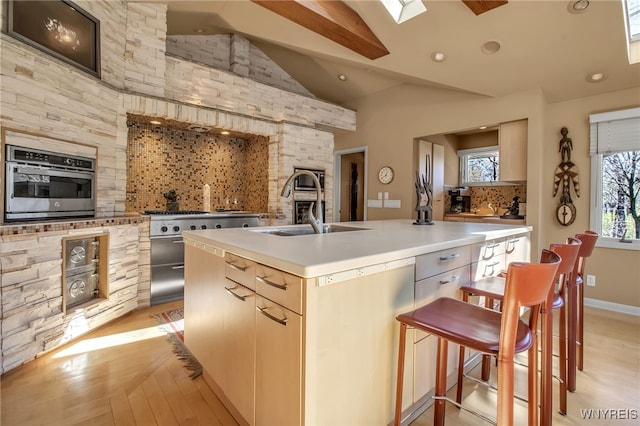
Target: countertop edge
307	269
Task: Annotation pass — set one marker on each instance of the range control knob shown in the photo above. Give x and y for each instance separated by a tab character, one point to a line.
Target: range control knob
245	225
176	228
218	226
203	226
164	229
192	227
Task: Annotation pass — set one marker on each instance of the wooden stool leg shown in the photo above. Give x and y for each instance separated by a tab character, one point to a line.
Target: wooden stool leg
562	360
580	357
460	374
441	382
486	359
505	390
399	382
532	383
572	325
546	388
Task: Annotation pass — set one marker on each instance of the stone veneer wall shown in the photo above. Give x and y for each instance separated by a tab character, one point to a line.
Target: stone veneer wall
42	95
222	51
33	320
160	158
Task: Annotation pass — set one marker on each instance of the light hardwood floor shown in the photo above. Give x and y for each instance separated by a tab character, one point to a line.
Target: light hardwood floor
126	374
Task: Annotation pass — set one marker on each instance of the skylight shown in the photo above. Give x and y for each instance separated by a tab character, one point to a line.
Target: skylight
402	10
632	20
632	12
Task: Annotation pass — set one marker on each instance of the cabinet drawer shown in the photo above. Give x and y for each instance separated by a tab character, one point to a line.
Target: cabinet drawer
445	284
280	287
240	270
428	265
487	250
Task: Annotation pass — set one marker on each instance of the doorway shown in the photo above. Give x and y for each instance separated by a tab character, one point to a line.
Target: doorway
350	184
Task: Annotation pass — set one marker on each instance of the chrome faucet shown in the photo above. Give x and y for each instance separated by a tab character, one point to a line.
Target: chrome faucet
315	221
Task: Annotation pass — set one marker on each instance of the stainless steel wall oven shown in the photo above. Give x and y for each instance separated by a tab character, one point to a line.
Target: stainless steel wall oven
305	182
41	184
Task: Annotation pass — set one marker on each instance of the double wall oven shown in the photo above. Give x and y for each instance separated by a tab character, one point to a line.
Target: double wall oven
41	184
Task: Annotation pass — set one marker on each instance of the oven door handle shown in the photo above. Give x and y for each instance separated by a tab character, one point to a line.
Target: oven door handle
50	172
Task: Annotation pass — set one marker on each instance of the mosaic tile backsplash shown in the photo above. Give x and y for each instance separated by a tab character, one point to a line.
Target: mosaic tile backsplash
499	196
161	158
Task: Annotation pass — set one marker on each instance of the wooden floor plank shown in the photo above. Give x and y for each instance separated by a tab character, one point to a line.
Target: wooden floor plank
157	401
179	405
192	394
121	410
140	407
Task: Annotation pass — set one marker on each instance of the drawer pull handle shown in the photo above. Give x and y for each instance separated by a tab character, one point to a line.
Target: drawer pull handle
178	242
492	246
450	257
231	292
178	267
271	283
264	312
236	267
453	279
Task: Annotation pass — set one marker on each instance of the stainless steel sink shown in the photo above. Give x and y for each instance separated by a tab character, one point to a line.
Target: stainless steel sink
307	230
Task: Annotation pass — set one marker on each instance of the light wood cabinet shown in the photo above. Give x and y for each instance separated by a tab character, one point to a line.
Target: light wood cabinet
239	344
487	259
518	249
278	365
512	143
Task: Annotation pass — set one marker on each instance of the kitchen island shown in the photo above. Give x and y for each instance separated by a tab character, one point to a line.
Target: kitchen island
300	329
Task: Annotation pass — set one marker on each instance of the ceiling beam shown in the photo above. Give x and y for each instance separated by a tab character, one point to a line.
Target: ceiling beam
331	19
482	6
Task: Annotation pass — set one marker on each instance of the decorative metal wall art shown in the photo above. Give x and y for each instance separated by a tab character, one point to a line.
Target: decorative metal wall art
566	174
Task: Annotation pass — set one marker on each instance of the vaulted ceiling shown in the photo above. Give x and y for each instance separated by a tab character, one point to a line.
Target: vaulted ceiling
543	45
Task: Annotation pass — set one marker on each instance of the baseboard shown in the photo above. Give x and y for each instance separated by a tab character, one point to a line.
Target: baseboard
610	306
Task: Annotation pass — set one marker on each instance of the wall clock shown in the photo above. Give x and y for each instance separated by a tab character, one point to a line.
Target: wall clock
385	175
566	214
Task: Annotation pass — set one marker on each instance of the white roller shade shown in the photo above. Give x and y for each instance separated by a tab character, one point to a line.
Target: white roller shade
615	131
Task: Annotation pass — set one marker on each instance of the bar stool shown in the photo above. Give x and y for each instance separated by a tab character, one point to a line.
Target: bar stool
588	239
501	334
494	287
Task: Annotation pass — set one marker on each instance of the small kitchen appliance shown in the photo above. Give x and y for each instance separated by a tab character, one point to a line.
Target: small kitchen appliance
459	203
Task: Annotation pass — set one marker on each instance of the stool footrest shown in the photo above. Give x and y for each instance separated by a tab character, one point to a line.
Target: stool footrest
468	410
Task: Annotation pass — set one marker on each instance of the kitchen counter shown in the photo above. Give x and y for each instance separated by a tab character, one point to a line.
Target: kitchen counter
289	328
378	242
481	218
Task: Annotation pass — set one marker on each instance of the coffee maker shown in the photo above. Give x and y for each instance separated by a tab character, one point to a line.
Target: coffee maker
459	203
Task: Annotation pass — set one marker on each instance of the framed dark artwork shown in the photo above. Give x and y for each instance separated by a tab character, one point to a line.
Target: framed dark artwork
59	28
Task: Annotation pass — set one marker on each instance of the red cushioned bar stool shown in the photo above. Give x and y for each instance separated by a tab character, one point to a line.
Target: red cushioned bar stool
485	330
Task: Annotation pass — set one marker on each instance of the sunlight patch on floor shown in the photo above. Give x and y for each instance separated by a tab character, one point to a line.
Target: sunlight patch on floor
88	345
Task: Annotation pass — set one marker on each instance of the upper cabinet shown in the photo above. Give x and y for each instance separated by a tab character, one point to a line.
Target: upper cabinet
512	143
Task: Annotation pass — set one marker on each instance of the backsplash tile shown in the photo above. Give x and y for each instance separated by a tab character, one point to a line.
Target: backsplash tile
499	196
161	158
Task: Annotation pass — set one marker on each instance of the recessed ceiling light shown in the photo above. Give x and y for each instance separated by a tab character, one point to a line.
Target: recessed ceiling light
490	47
580	5
596	77
438	56
198	129
155	122
342	77
482	127
199	30
224	132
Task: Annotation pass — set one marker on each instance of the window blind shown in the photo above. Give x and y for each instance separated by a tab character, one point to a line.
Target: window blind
614	131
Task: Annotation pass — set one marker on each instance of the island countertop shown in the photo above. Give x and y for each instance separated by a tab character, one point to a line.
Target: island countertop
378	242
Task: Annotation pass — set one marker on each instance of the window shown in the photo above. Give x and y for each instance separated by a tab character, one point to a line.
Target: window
479	166
632	27
615	178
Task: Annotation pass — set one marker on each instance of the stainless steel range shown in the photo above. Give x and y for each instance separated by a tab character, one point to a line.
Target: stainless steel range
167	247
